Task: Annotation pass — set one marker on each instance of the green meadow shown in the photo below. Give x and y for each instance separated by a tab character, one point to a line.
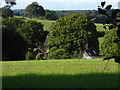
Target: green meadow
70	73
47	23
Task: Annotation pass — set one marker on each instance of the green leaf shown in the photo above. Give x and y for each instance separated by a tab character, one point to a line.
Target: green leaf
114	13
103	4
108	7
101	11
12	3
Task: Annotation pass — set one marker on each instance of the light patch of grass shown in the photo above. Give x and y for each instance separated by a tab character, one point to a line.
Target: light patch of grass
99	27
47	23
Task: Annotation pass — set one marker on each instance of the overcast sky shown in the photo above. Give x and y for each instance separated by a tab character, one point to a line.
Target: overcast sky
63	4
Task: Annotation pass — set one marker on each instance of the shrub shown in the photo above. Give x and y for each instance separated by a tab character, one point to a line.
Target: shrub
38	56
108	47
14	46
58	54
77	54
30	56
33	33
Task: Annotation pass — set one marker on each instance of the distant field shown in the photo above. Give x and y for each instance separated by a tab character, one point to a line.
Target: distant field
47	23
72	73
99	27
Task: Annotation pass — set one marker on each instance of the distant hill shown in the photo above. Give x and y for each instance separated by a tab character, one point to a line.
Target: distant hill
92	14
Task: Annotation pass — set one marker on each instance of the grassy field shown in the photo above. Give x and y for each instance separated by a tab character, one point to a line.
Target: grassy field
47	23
73	73
99	27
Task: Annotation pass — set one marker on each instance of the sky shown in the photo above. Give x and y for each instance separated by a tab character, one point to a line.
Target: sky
63	4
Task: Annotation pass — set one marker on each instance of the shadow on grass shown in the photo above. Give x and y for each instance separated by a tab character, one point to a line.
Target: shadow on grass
94	80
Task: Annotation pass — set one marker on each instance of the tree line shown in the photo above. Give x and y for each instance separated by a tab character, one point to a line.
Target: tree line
35	10
56	14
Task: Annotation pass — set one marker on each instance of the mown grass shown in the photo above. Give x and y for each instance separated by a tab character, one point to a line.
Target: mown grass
73	73
47	23
99	27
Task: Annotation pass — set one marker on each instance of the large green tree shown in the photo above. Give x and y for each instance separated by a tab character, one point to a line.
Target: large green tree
33	33
50	15
14	47
6	12
34	10
72	33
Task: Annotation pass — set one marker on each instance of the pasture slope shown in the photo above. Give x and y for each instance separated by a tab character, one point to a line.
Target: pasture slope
72	73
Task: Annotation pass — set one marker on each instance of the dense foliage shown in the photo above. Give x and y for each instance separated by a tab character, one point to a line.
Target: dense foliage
14	46
33	33
111	45
71	33
108	47
34	10
18	36
55	14
6	12
38	57
50	15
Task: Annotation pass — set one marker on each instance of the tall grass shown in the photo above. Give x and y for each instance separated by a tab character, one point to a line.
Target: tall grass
72	73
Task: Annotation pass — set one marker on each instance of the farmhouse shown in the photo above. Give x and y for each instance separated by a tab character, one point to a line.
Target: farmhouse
89	53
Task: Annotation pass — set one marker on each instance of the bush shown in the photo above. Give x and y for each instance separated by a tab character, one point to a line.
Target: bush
38	57
14	46
58	54
108	47
101	34
33	33
77	54
30	56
